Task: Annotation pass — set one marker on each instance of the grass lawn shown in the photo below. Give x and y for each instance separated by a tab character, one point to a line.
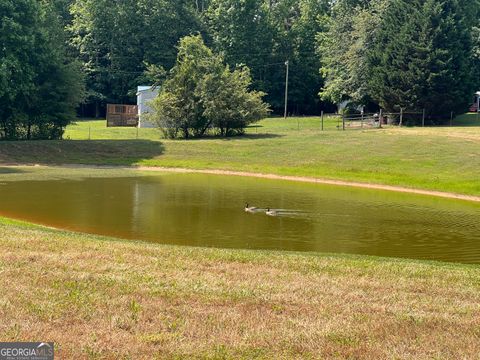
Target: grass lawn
98	297
104	298
442	158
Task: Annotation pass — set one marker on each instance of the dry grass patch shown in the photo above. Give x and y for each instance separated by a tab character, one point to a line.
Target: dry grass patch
103	298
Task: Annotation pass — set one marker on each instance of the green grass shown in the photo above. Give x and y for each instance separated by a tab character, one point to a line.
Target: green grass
98	130
102	298
441	158
99	297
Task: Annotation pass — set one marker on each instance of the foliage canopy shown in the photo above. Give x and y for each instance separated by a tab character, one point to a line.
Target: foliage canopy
40	87
413	55
202	93
391	54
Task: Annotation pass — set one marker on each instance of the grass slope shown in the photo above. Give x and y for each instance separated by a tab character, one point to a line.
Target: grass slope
444	159
104	298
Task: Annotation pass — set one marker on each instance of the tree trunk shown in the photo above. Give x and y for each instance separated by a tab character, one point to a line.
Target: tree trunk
97	109
205	128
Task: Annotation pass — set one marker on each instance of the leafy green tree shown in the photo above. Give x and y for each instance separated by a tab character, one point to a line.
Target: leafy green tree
62	9
242	32
264	35
296	24
40	86
202	93
476	54
344	50
17	38
400	54
422	57
179	107
307	81
116	42
228	104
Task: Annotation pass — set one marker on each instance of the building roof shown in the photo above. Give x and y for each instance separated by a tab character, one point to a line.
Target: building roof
150	88
144	88
141	89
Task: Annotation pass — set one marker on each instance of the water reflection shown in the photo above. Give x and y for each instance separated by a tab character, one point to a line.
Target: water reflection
208	210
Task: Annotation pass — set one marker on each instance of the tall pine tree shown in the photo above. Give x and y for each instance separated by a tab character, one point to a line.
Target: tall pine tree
422	57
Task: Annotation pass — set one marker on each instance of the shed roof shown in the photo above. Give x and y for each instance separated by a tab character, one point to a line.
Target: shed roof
145	88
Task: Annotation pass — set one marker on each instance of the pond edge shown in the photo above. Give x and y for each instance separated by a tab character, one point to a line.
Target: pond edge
304	179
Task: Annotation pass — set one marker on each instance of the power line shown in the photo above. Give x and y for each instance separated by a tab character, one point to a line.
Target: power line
307	54
118	71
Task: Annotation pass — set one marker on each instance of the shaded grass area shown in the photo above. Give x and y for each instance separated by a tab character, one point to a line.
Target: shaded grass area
104	298
442	158
469	119
111	152
76	173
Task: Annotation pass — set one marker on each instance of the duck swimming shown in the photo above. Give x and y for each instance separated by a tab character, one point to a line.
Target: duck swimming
250	209
271	212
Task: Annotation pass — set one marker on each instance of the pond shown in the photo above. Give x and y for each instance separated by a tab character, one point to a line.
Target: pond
208	211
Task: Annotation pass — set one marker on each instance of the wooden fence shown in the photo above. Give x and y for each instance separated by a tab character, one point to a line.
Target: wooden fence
122	115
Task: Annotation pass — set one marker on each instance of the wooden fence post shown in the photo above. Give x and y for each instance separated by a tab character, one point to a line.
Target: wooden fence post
322	120
401	117
423	118
380	119
343	121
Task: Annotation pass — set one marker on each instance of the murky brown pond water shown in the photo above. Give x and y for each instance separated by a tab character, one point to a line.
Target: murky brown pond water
208	211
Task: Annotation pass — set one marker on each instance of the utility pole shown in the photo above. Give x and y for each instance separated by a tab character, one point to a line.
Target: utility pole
287	64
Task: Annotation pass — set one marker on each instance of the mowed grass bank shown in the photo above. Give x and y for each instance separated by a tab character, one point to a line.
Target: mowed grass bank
104	298
443	158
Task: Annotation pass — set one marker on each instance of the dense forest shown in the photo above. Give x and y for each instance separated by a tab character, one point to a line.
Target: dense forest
60	56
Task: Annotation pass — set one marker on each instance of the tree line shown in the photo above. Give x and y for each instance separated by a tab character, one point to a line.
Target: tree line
40	83
57	54
118	41
402	54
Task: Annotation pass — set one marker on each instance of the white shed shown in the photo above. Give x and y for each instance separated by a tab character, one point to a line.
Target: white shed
145	94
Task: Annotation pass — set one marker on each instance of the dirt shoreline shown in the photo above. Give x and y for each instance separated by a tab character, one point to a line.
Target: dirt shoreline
303	179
